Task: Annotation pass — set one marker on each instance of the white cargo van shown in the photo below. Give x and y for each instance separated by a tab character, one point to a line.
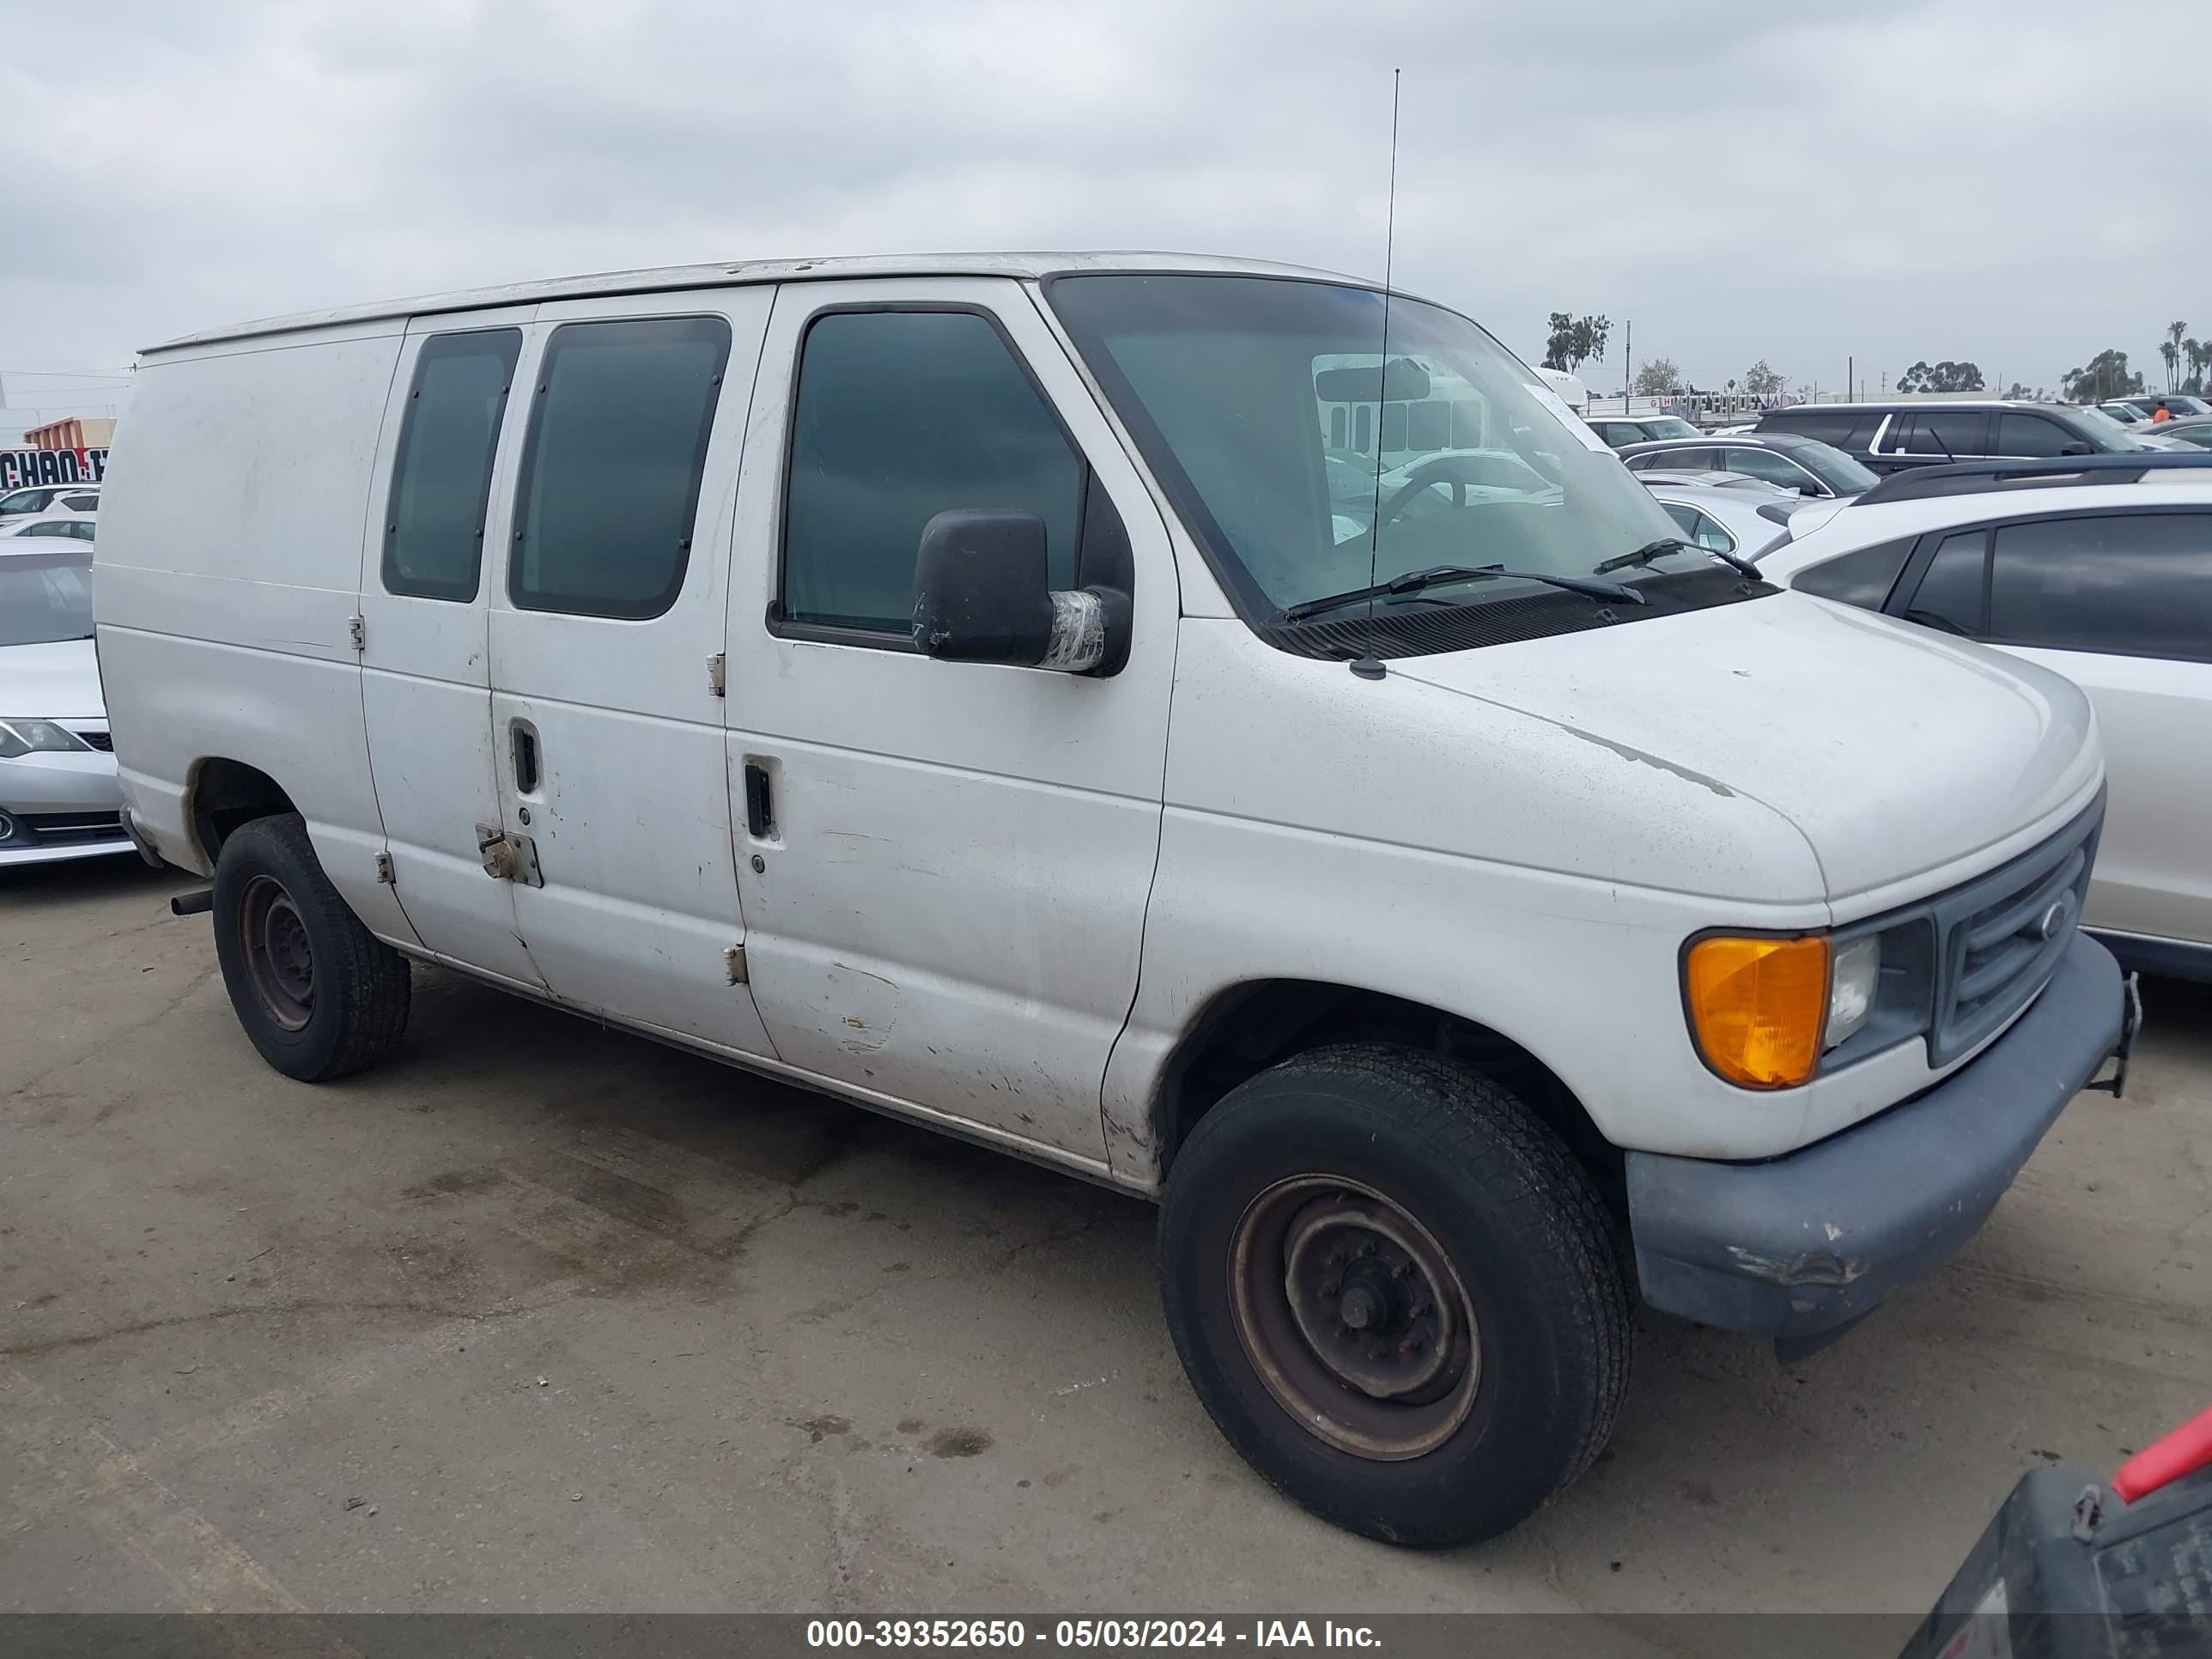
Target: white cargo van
954	685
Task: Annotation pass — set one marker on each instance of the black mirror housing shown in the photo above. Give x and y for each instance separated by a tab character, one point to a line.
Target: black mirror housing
980	590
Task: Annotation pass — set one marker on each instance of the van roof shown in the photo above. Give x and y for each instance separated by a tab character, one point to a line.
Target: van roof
728	274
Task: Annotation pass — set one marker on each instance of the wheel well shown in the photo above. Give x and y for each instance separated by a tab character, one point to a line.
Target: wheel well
226	794
1249	1028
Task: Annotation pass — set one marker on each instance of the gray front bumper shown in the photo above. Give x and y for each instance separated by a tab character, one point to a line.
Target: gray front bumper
69	782
1805	1245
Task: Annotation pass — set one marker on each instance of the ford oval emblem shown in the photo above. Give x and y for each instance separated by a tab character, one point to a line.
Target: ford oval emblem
2052	922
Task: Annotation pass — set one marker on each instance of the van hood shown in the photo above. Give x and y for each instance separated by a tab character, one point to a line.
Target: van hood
1892	750
55	682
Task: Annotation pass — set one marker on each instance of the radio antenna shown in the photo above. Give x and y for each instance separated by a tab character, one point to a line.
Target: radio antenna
1370	667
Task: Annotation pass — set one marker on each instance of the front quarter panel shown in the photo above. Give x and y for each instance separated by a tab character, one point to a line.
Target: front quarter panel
1397	838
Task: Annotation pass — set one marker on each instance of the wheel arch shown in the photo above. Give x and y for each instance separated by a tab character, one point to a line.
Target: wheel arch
1246	1028
222	794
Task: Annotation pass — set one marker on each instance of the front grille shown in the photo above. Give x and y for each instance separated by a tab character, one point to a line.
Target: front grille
1999	937
99	740
67	828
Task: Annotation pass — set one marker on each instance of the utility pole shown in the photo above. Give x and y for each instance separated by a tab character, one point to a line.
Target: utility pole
1628	364
1851	376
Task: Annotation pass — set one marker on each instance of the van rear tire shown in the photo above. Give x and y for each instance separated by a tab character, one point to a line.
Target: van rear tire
1397	1292
319	995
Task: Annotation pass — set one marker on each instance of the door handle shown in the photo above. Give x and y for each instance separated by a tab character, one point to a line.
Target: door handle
526	757
760	806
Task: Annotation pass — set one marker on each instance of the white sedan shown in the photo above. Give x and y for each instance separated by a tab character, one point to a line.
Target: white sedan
59	798
2101	568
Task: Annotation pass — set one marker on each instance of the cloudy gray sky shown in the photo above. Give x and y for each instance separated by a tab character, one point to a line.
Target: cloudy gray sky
1889	180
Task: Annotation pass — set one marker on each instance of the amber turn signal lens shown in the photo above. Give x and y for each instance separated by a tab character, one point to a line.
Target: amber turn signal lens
1757	1006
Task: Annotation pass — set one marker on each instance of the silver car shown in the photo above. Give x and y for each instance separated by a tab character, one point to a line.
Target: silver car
59	798
1725	512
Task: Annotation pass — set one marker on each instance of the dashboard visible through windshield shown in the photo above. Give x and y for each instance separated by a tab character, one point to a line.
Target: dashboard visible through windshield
1312	461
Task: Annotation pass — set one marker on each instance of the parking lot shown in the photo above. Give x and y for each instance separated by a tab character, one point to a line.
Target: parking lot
541	1316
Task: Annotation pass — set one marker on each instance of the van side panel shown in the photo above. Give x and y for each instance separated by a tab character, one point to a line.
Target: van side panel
225	584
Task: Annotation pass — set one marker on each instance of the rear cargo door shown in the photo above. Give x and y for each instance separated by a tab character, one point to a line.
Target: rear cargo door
450	441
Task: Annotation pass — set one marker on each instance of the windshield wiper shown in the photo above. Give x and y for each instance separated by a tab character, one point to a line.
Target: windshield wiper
1666	544
1414	582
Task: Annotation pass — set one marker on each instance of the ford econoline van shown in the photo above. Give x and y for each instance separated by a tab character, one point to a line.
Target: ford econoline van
1212	728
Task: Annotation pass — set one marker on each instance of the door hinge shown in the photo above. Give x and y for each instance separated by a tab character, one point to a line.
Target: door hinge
733	962
384	871
716	676
508	857
358	627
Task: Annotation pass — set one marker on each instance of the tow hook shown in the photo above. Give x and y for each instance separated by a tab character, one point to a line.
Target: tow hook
2131	1022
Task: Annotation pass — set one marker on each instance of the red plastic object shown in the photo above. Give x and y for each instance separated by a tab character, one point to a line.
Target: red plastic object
2184	1451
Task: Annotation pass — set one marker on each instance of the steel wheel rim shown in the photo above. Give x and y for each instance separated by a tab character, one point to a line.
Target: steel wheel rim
279	957
1376	1350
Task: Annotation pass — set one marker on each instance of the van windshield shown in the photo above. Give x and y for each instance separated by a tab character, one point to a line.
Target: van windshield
46	597
1265	407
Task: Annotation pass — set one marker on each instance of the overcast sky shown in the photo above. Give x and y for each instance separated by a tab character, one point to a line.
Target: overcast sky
1802	183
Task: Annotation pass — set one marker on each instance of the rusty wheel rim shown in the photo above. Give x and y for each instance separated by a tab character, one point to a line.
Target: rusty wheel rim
1354	1317
279	961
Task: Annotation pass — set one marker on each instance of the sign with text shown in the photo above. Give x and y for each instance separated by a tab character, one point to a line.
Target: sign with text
20	469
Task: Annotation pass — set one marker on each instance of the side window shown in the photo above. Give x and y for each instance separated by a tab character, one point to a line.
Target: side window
441	471
2033	436
1688	460
1336	429
901	416
610	479
1832	428
1363	417
1955	433
1862	577
1429	425
1700	529
23	500
1949	596
1767	463
1860	439
2137	584
81	503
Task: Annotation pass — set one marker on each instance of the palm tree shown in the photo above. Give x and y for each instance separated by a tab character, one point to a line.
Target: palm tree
2173	333
2200	357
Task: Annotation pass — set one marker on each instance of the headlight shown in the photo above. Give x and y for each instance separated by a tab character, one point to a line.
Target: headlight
1765	1011
1852	981
25	737
1757	1006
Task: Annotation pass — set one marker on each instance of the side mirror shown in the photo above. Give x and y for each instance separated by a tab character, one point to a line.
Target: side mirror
1808	487
981	594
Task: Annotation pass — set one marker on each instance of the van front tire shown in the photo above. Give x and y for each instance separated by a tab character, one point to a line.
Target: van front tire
1397	1293
318	994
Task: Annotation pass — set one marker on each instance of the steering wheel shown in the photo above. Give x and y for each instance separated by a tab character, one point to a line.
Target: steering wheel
1457	471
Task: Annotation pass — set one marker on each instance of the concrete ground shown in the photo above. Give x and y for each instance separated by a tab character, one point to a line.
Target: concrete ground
544	1316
